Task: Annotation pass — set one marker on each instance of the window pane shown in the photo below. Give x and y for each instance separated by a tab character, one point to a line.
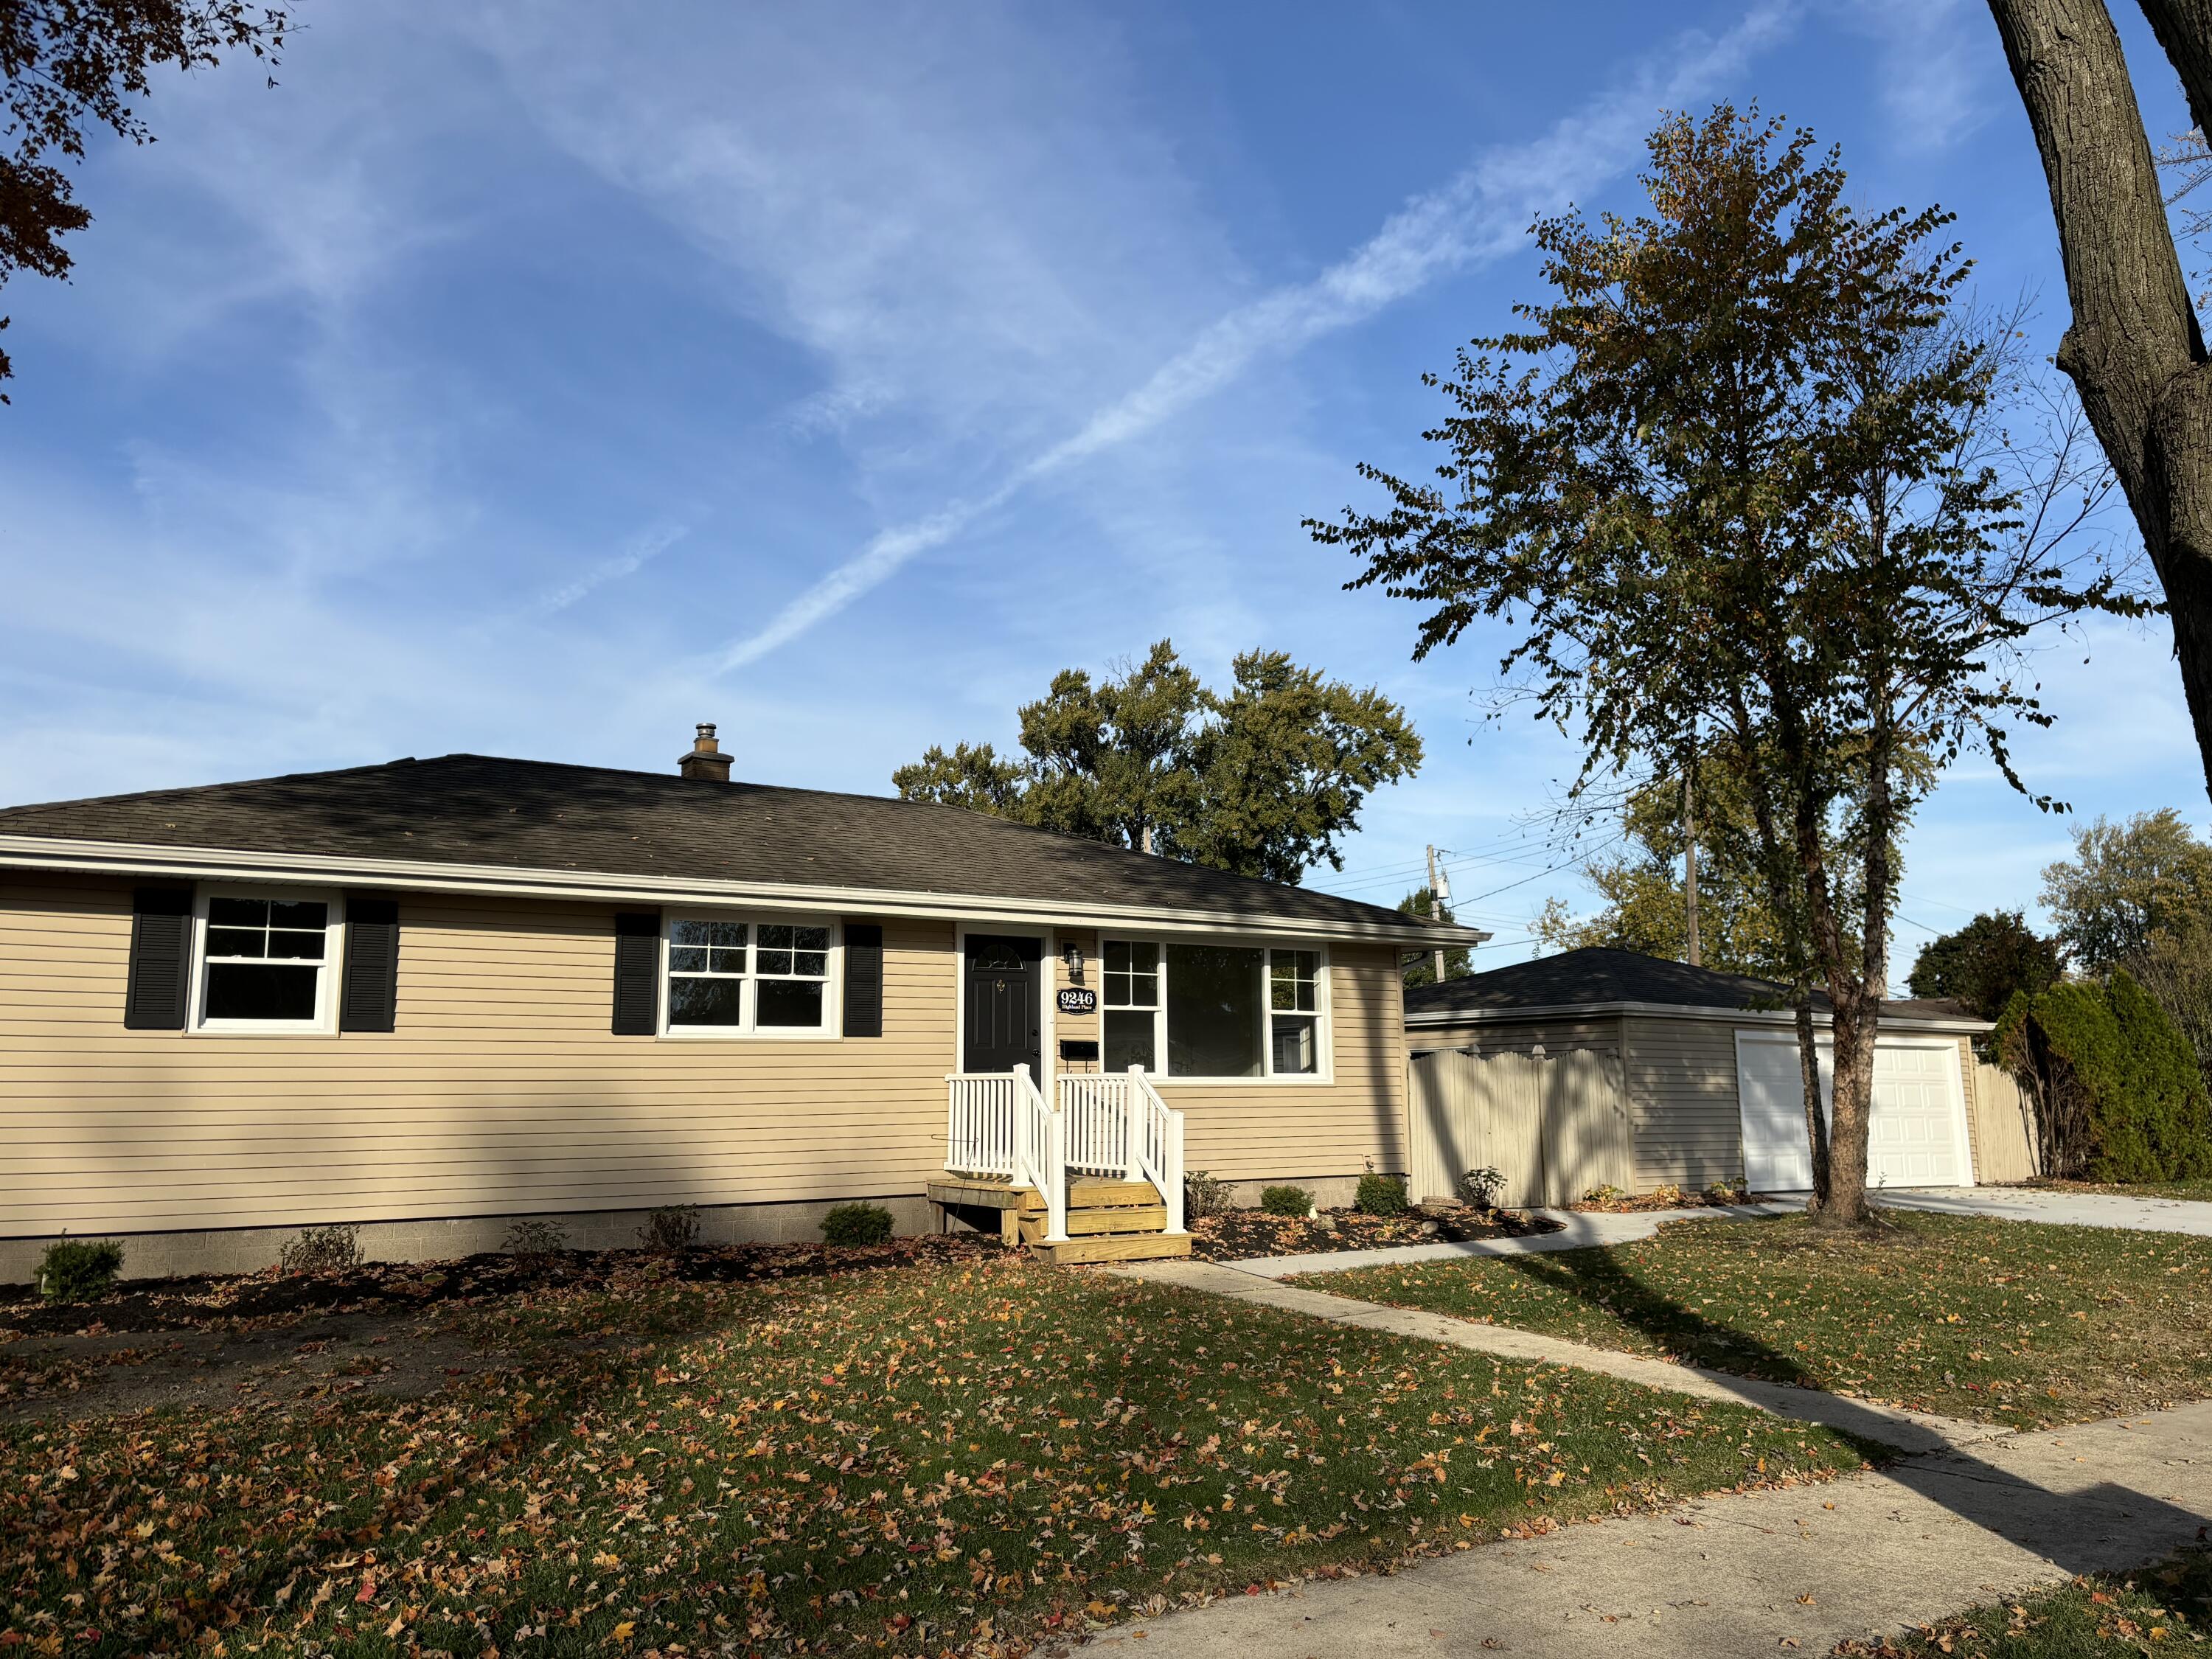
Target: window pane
1297	1044
294	945
1129	1043
687	959
727	934
814	963
1132	978
1293	978
1213	1010
724	961
235	941
706	1002
775	935
250	991
811	938
299	912
789	1003
772	961
238	913
687	932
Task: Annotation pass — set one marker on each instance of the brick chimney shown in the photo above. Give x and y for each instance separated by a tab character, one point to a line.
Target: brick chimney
706	759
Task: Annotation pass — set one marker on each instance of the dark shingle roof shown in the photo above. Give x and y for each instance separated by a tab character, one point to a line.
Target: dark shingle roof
1595	976
540	815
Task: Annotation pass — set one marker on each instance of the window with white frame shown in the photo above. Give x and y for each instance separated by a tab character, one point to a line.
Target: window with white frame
265	962
1213	1010
727	977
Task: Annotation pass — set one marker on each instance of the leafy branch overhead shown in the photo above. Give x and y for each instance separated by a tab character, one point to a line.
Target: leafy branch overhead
1264	779
69	66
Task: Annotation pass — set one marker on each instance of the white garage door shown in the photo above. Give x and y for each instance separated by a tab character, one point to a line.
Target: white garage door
1917	1137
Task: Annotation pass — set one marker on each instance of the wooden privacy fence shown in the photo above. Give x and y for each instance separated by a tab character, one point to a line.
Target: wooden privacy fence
1554	1125
2005	1140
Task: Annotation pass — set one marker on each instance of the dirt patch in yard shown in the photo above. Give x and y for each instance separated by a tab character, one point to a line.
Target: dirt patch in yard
1239	1235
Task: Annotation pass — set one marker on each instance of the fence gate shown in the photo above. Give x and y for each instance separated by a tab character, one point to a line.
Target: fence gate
1554	1125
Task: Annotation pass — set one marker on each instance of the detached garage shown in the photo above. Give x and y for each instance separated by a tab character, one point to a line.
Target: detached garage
1707	1067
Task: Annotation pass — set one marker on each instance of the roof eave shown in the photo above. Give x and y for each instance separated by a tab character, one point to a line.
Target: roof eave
1676	1009
205	863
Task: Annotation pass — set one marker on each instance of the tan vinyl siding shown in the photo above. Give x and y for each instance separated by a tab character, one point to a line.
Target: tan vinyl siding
1261	1131
502	1091
1681	1093
1521	1036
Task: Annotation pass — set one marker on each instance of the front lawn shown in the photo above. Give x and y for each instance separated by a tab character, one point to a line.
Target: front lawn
2015	1323
2120	1615
940	1458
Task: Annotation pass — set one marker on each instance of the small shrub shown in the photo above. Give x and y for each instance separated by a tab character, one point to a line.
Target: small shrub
857	1223
79	1269
1203	1195
1479	1189
1604	1193
536	1236
1380	1194
1669	1197
1293	1201
672	1227
333	1249
1728	1191
2118	1092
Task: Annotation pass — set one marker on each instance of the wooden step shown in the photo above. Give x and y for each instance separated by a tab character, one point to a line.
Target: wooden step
1123	1246
1099	1193
1132	1218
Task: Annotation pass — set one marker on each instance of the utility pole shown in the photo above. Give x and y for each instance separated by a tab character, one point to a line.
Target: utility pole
1690	865
1435	912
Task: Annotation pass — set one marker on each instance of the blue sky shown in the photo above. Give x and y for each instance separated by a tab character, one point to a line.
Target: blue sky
539	380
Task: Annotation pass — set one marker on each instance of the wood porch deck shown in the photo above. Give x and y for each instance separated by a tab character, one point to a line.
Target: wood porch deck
1108	1220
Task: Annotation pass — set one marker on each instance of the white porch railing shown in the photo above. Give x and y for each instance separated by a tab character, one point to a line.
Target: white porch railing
1109	1123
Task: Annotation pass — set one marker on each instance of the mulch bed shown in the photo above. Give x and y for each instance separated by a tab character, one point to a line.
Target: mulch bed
1665	1198
1237	1235
237	1301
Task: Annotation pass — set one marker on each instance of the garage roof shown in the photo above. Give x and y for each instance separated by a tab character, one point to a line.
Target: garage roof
1598	980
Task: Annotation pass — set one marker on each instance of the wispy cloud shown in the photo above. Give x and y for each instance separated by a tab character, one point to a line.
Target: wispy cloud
636	553
1480	216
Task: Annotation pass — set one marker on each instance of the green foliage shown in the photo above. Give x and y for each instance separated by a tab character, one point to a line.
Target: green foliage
672	1227
1264	779
1380	1194
2176	969
1479	1189
2126	883
1293	1201
333	1249
79	1269
1986	962
2118	1092
856	1223
2122	1615
535	1236
1204	1195
1458	960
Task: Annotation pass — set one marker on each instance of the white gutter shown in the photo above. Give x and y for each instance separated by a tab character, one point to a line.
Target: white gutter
1687	1010
201	863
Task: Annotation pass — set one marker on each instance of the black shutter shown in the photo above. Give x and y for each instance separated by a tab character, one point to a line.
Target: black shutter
637	973
370	995
864	979
161	959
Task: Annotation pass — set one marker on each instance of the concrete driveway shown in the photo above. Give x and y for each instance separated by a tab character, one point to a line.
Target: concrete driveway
2147	1215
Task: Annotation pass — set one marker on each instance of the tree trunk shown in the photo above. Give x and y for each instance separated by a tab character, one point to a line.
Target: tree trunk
2134	350
1808	1074
1853	1094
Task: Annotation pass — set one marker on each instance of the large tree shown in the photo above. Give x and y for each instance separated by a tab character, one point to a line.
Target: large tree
67	66
2125	885
2134	349
1264	779
1743	488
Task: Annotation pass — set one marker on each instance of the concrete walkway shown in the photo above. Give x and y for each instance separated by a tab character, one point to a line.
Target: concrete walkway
1909	1431
2123	1210
1755	1573
1579	1230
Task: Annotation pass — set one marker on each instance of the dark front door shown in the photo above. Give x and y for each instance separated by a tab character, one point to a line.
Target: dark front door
1004	1019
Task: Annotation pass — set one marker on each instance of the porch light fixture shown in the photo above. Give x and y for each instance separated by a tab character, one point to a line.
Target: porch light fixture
1073	957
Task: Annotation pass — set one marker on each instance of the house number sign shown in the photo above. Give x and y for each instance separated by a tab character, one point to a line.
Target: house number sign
1077	999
